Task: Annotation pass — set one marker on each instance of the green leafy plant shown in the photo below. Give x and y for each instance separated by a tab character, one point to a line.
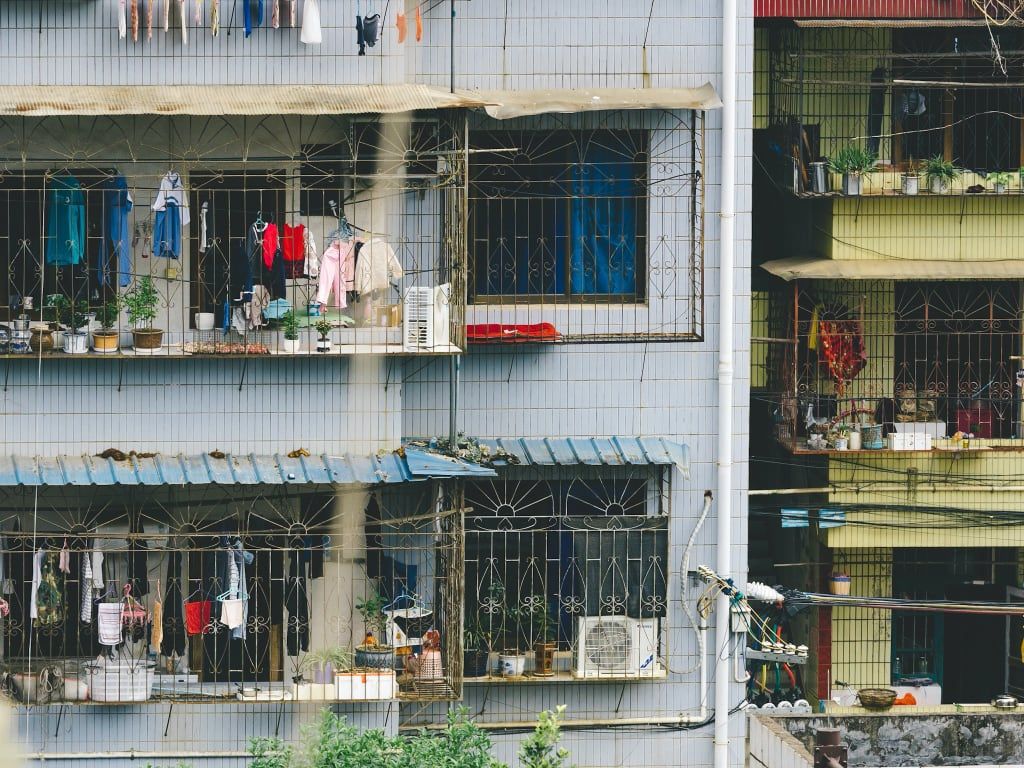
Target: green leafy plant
338	657
270	753
853	159
290	325
55	307
372	612
999	177
71	314
540	749
108	312
140	303
543	622
332	742
939	168
323	327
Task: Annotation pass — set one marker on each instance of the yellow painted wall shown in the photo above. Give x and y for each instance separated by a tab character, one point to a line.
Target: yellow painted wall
951	227
930	507
861	637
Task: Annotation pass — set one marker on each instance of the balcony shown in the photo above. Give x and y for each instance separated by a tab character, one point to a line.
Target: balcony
296	235
904	96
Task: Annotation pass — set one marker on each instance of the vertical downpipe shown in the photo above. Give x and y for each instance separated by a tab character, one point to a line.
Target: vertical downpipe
726	309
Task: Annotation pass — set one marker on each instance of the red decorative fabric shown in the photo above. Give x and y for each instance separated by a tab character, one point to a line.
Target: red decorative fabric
841	346
500	332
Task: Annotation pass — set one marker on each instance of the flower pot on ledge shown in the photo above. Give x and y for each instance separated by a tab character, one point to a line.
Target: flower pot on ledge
147	338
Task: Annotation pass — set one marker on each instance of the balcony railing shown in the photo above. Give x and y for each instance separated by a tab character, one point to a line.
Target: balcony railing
353	226
906	97
927	358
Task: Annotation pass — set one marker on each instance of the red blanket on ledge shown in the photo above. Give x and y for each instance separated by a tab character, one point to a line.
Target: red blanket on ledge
497	332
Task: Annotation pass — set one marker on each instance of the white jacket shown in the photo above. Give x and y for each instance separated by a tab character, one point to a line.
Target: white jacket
376	266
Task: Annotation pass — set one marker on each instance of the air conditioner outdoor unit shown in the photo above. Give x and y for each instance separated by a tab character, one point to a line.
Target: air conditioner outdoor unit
425	318
617	647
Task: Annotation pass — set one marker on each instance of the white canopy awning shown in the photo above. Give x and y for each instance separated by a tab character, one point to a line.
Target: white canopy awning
807	268
505	105
43	101
33	100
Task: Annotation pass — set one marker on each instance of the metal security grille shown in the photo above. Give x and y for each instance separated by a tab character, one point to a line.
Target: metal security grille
894	352
206	597
906	95
260	201
590	226
579	562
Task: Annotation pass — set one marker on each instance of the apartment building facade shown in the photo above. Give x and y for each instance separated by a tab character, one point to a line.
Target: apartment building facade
438	359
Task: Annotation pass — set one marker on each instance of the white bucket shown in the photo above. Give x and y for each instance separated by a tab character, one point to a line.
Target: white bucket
204	321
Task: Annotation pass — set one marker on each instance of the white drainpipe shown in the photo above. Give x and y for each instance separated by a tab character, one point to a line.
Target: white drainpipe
726	309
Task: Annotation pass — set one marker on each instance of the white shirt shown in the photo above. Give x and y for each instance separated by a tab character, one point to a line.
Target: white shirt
173	190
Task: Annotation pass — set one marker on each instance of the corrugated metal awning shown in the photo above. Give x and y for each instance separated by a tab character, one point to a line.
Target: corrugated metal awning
505	105
804	268
597	451
245	469
40	100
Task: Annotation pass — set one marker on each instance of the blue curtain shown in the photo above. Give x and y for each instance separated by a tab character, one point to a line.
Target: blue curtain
603	223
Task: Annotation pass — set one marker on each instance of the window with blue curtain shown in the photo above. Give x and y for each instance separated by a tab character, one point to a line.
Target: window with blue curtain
558	215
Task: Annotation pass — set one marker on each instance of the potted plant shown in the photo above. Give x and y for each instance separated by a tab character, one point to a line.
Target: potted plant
476	645
940	173
290	330
105	338
140	303
851	163
1000	181
76	319
910	180
321	664
323	328
372	653
545	627
841	438
512	660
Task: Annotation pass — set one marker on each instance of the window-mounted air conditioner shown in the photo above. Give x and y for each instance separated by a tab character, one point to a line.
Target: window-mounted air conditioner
617	647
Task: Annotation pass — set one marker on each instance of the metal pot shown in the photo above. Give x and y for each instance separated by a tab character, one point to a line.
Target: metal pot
1004	701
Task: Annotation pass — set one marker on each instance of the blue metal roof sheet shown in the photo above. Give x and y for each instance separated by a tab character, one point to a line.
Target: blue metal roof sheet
242	469
594	451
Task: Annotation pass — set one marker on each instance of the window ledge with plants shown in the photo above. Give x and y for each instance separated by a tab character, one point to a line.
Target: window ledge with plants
855	172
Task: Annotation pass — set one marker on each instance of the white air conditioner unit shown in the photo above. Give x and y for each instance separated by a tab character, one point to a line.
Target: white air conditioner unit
617	647
425	318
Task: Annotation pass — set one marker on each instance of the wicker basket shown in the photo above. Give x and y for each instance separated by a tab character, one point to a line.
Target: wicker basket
876	698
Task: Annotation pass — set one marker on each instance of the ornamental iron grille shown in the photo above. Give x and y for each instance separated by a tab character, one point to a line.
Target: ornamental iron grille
894	352
261	594
590	223
545	550
261	200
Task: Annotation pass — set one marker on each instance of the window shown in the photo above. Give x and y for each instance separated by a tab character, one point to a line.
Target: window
23	237
545	552
558	215
954	344
975	126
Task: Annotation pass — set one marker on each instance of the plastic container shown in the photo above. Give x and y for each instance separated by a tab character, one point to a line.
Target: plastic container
204	321
839	584
120	682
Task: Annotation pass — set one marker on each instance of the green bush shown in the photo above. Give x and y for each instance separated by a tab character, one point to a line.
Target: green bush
332	743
